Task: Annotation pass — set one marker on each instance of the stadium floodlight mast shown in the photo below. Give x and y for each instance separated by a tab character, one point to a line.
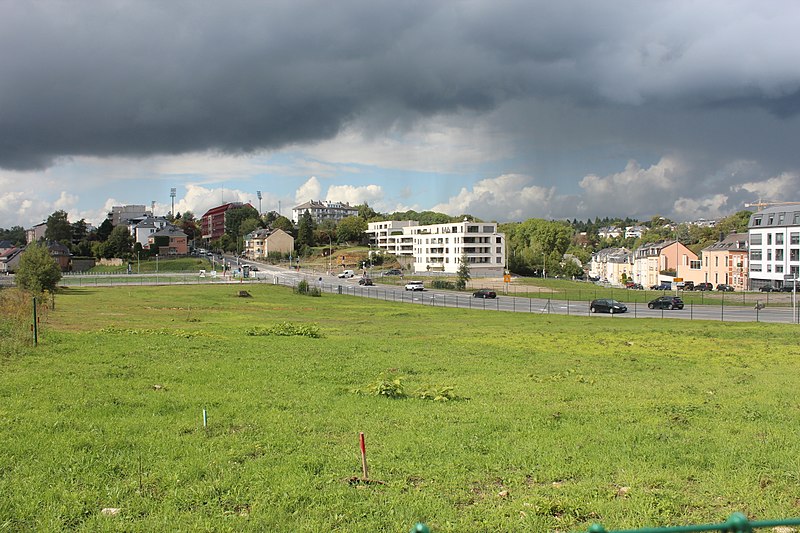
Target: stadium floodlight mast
172	195
258	193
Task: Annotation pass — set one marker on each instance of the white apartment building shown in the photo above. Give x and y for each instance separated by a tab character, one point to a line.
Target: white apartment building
324	210
774	242
440	247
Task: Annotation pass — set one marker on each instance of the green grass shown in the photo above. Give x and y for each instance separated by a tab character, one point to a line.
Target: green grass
697	419
147	266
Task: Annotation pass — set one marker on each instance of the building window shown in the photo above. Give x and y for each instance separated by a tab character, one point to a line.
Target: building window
755	267
769	267
770	220
780	218
779	269
769	238
755	239
794	238
755	255
756	221
769	255
779	238
695	265
794	254
779	255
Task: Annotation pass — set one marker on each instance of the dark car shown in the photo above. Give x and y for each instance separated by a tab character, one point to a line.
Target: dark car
703	287
254	269
724	287
365	281
392	272
661	287
484	293
607	305
787	288
666	302
768	288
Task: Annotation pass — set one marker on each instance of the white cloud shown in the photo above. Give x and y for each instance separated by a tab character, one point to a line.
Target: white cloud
775	188
504	198
713	207
310	190
372	194
441	144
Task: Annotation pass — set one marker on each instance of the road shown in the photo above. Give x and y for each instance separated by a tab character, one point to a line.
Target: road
442	298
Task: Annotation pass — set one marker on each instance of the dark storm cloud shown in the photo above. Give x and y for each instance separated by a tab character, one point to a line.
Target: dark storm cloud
140	78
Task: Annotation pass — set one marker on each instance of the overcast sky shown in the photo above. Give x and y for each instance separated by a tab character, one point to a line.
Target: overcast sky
502	109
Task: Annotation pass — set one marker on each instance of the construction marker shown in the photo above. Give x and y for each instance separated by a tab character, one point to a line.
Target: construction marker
363	454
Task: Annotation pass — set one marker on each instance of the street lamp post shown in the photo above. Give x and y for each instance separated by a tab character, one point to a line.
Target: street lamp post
544	268
330	255
156	263
137	262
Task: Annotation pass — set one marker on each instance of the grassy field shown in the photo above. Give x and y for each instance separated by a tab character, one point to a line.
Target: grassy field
147	266
556	422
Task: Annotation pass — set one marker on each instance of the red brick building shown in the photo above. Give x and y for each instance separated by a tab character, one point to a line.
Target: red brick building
213	221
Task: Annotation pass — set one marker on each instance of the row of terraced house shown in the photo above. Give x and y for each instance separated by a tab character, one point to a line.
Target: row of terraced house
767	255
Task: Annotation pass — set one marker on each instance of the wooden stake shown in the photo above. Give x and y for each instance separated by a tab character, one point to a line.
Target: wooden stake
363	455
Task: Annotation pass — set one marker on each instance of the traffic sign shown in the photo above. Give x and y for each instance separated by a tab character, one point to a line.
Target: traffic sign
677	280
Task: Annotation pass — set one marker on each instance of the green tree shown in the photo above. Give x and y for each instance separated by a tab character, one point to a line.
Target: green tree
462	275
15	234
120	243
234	218
78	231
37	271
351	229
305	231
284	224
366	212
58	227
104	231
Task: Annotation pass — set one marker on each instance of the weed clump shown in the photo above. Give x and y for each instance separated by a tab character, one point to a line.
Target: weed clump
287	329
305	289
391	386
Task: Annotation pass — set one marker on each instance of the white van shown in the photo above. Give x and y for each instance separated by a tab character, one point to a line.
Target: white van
346	274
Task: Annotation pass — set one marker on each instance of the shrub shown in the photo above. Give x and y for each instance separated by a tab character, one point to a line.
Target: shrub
304	288
388	386
442	284
38	271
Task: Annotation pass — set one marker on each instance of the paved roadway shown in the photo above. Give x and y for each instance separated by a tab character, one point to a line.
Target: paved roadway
442	298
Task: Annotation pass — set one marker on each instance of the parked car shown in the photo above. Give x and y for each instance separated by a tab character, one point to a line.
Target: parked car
724	287
415	286
666	302
787	288
635	286
607	305
346	274
484	293
768	288
365	281
686	285
661	287
253	268
392	272
703	287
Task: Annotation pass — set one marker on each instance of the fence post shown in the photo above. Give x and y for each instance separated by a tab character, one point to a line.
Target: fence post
35	324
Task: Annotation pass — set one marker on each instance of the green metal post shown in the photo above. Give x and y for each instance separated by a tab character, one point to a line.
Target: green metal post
35	325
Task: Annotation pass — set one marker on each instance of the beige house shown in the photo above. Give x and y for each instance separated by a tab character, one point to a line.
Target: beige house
727	262
262	242
609	264
663	261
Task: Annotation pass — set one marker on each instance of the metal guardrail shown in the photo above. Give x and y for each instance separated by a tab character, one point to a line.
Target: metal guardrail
736	523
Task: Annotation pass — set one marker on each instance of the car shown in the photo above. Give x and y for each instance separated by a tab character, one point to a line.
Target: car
392	272
724	287
661	287
484	293
666	302
703	287
787	288
768	288
346	274
634	286
607	305
253	268
365	281
415	286
687	286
